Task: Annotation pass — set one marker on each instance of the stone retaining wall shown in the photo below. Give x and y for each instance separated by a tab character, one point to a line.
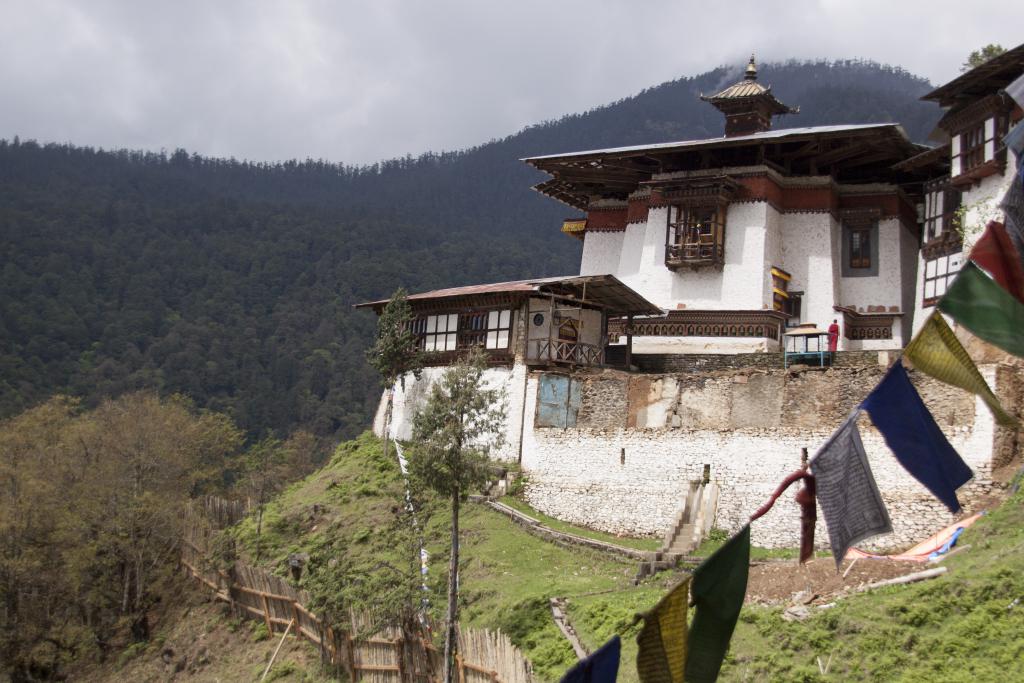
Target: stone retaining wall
706	362
640	440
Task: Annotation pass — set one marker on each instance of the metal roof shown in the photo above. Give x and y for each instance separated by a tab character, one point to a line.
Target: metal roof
779	135
601	290
740	89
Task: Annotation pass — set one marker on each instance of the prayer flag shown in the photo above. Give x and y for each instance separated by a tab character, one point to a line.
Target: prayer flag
719	586
662	639
995	253
846	489
910	431
986	309
600	667
1013	209
936	351
1016	91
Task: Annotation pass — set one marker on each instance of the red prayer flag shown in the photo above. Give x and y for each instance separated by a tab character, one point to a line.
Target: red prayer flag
995	253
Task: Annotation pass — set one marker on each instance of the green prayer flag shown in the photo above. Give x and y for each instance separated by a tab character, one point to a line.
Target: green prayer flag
936	351
978	303
662	640
719	586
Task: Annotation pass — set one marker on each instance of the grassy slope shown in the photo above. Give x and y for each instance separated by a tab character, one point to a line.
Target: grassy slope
959	627
559	525
963	626
507	576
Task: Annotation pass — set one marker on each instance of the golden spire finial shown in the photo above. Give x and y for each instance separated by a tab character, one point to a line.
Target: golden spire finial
751	74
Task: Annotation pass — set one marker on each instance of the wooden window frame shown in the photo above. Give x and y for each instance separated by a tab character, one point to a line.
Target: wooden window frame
697	235
859	253
939	281
972	146
938	221
792	308
433	331
456	331
499	326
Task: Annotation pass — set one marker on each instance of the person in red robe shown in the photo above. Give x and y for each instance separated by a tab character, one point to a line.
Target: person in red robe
833	336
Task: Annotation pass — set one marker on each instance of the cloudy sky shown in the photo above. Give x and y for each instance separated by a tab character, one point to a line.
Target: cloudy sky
360	81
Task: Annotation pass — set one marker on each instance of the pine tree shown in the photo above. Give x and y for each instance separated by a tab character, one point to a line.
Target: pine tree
453	435
979	57
395	353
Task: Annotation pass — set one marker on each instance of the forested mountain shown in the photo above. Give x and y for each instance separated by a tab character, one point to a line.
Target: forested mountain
232	282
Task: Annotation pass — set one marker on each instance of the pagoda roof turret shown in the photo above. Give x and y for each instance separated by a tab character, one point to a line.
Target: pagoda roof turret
748	106
747	89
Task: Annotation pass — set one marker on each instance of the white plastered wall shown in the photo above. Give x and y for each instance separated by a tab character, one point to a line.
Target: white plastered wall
810	253
722	345
601	253
408	402
885	289
641	263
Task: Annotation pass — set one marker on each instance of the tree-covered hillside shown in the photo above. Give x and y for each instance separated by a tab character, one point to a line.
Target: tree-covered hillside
233	282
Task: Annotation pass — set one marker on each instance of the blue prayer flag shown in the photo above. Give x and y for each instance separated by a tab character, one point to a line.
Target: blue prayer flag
901	416
600	667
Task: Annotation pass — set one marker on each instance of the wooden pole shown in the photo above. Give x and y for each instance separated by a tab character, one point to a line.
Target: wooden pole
399	651
351	657
629	341
266	613
274	656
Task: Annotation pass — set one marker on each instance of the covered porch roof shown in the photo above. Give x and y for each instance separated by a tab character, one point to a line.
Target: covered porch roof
599	291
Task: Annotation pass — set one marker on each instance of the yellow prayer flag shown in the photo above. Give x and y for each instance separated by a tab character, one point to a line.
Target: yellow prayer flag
936	351
662	640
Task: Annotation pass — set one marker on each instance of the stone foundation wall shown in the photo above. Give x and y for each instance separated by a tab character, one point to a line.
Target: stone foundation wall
708	362
640	440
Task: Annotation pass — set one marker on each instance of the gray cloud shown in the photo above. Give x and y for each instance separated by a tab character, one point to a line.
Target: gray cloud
361	81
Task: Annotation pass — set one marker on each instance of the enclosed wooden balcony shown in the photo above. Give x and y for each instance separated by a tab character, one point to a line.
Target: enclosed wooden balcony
695	238
562	352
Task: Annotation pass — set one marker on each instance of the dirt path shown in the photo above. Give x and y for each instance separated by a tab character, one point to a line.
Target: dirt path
775	583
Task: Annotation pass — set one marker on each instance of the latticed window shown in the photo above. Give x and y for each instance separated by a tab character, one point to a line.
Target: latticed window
453	331
939	273
439	332
499	329
696	235
860	247
940	208
972	147
975	143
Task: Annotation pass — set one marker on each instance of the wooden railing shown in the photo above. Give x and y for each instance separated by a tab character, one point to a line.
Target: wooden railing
695	252
390	655
570	353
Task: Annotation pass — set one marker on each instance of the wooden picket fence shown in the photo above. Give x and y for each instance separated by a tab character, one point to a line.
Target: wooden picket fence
390	655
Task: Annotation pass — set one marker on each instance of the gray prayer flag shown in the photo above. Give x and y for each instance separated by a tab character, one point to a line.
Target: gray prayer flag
1013	209
847	492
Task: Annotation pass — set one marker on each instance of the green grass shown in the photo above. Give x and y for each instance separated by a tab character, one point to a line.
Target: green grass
717	537
959	627
650	544
597	618
507	575
357	494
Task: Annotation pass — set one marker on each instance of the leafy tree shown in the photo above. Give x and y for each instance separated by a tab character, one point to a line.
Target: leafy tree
979	57
90	513
395	353
453	434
